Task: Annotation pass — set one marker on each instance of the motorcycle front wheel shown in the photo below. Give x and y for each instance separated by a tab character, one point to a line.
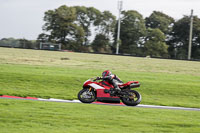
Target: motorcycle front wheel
86	96
132	98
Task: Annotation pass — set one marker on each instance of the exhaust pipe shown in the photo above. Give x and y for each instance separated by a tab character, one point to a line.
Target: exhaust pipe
135	85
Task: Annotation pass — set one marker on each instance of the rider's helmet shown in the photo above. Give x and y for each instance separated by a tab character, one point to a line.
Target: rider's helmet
106	73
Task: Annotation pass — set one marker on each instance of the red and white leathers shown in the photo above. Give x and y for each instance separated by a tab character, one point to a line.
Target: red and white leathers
112	78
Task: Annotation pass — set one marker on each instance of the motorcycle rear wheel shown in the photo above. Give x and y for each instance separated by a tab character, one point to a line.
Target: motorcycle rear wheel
133	99
86	96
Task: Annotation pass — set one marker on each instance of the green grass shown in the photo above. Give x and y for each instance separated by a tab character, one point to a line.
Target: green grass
48	74
45	74
20	116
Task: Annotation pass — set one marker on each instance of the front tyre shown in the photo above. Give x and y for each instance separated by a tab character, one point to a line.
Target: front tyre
132	98
86	96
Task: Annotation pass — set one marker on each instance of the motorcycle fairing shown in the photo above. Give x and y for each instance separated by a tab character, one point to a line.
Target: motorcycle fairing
101	95
128	84
95	86
105	97
106	85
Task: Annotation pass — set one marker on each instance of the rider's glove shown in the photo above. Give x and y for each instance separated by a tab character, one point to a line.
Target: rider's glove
98	78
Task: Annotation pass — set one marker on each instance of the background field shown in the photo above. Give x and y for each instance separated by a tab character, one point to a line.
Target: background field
48	74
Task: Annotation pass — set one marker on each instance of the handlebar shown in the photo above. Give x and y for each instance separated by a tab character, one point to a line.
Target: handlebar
98	78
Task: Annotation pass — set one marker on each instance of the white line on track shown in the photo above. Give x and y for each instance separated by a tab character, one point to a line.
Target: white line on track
140	105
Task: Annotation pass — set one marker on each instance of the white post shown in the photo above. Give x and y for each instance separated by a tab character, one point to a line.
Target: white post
190	36
59	47
40	45
119	22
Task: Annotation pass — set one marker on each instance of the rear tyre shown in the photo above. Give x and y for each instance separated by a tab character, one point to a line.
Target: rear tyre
132	99
86	96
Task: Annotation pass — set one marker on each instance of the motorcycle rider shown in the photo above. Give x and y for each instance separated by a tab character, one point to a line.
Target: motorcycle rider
111	78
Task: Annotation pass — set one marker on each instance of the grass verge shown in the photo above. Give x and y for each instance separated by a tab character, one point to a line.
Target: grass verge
35	116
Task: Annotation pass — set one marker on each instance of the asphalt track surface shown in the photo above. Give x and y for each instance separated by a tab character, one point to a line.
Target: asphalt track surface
99	103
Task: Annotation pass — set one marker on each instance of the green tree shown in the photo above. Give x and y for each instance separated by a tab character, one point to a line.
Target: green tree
27	44
106	24
155	45
132	31
86	17
161	21
60	24
43	37
101	44
180	38
9	42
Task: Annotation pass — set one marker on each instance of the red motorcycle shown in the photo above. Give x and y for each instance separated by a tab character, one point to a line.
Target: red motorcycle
103	91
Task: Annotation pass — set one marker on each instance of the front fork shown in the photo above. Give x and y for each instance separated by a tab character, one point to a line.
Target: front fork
89	92
90	89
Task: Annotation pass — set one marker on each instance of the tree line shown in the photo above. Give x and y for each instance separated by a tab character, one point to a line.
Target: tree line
18	43
158	35
86	29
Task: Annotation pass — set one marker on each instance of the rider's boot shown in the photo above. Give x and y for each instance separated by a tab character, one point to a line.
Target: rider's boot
117	90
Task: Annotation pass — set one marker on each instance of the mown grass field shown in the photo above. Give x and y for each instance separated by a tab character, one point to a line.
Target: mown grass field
48	74
18	116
